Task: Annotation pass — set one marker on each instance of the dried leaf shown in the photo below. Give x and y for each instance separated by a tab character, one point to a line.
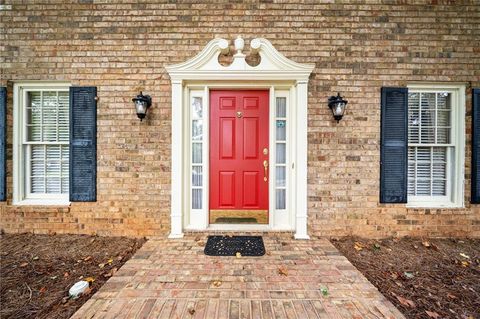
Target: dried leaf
89	279
358	246
451	296
87	291
35	258
110	261
42	290
406	302
432	314
282	271
217	283
66	274
394	275
426	244
465	263
238	255
465	256
25	264
87	258
101	265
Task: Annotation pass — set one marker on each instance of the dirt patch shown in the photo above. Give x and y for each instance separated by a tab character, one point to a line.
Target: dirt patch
434	278
38	270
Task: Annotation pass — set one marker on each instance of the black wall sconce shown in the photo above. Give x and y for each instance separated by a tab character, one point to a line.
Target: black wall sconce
338	105
142	103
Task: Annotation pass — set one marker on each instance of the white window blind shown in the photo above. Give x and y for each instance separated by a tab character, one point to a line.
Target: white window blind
430	147
46	138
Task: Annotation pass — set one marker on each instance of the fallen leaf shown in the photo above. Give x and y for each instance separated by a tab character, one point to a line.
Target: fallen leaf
42	290
25	264
238	255
394	275
66	274
415	246
358	246
465	256
92	240
465	263
217	283
89	279
449	295
282	271
87	291
376	246
406	302
53	277
191	311
87	258
426	244
432	314
101	265
35	258
110	261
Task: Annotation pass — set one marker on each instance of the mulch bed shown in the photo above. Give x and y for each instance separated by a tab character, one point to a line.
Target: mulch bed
36	271
424	278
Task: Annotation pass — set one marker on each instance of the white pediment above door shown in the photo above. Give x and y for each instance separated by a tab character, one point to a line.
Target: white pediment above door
273	65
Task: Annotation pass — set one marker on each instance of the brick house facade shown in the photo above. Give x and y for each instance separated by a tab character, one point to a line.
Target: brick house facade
356	47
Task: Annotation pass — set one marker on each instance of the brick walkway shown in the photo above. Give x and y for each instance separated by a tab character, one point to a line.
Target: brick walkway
174	279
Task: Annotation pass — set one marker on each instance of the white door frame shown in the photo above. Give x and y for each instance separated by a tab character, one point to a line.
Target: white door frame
274	72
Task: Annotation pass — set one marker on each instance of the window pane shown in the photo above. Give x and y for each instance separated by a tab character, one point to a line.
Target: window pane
427	135
197	128
197	108
444	101
280	199
196	198
281	107
281	153
281	130
197	175
280	176
197	153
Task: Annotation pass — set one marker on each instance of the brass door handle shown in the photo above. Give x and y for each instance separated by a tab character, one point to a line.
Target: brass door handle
265	171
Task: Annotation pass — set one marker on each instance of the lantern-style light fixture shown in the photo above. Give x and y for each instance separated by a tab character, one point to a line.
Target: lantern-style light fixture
338	105
142	103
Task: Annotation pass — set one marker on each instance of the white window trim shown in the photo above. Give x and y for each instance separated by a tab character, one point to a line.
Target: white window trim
274	69
455	197
19	182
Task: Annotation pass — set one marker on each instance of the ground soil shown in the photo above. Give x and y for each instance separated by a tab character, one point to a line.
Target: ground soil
424	278
36	271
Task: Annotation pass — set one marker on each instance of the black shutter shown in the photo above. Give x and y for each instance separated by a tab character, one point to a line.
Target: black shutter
394	145
3	143
83	144
475	146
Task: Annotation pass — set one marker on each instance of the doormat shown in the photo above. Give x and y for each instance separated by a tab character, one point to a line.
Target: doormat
231	245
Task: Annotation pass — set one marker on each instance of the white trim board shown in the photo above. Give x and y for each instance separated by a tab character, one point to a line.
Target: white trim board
203	72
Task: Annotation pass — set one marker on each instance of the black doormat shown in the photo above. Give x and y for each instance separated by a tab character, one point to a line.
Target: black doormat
231	245
236	220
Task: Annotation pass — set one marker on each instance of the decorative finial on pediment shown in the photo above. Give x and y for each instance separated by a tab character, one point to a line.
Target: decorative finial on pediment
239	44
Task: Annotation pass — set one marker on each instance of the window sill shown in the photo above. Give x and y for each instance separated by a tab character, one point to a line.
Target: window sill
433	205
42	202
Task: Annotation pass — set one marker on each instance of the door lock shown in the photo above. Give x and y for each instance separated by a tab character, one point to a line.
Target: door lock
239	114
265	151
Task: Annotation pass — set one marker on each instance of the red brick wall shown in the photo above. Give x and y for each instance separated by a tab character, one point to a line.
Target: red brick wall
122	47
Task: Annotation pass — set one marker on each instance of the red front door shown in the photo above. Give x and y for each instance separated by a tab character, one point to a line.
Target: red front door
239	156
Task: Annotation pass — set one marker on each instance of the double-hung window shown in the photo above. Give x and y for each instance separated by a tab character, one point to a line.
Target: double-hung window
41	144
435	146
